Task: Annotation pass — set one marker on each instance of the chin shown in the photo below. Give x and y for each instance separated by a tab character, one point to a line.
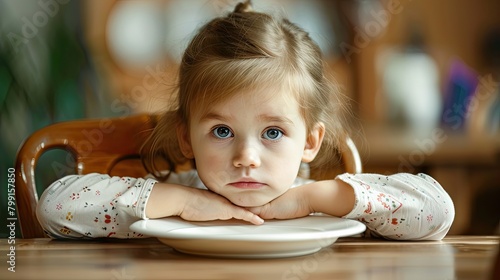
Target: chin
250	202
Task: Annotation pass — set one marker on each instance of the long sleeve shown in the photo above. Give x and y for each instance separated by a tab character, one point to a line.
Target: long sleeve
93	205
401	206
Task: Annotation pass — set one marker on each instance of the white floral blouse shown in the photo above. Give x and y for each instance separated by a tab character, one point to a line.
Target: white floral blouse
401	206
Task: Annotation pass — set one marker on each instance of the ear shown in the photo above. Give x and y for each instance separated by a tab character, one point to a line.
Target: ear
184	141
313	142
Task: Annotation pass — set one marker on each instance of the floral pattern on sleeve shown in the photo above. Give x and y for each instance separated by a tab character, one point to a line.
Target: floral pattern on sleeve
93	205
401	206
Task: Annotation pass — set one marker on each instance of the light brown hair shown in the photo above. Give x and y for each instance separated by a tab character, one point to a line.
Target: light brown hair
244	50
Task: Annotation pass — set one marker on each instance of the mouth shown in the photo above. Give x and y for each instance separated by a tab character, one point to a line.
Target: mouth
247	184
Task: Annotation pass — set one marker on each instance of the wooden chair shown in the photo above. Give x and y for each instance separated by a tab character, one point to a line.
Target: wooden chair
107	146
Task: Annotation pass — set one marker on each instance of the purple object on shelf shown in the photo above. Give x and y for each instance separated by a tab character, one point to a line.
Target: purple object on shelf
459	89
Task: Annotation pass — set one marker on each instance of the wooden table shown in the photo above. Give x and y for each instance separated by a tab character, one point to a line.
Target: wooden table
456	257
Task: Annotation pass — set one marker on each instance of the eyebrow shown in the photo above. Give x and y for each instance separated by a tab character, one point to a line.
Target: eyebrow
263	118
213	116
276	119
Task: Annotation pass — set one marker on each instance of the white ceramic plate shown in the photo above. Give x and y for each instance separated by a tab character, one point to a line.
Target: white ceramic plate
237	239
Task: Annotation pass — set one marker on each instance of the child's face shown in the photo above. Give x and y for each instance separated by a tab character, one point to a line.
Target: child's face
249	148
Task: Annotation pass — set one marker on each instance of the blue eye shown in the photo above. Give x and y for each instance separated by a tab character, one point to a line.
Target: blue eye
222	132
272	134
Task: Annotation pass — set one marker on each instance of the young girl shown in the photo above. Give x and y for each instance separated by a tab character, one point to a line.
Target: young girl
252	104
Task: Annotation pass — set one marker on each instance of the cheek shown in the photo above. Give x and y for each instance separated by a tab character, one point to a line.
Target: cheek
212	162
291	152
286	163
211	165
208	153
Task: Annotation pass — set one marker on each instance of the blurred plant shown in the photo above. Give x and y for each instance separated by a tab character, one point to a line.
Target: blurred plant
46	79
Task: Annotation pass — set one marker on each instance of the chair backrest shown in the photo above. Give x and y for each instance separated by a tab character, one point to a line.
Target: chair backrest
106	146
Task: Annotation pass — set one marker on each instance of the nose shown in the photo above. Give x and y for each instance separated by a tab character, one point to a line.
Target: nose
246	155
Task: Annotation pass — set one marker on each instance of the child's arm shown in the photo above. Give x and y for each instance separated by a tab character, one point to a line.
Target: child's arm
194	205
97	205
93	205
333	197
401	206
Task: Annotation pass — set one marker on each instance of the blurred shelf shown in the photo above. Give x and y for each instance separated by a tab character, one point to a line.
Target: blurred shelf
384	145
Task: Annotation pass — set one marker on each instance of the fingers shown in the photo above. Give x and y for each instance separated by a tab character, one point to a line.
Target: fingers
210	206
248	216
256	220
265	211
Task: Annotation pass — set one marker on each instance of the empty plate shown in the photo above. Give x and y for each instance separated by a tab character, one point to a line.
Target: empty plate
238	239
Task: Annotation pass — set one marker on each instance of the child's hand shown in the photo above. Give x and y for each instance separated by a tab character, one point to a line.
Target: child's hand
194	205
332	197
205	205
293	203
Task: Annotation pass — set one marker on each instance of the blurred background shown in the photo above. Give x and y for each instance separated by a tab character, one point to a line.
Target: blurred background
422	77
